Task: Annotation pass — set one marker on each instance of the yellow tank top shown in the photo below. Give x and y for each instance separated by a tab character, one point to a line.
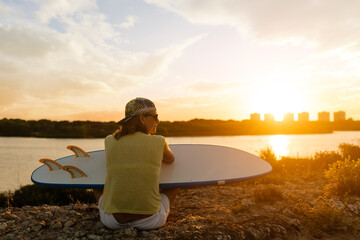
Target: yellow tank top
133	170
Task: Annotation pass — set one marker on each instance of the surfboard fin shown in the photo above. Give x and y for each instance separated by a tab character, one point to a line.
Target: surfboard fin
79	153
74	171
51	164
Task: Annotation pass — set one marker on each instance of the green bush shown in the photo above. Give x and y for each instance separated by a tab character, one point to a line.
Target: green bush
269	156
350	151
295	165
35	195
4	200
344	177
318	162
323	159
323	216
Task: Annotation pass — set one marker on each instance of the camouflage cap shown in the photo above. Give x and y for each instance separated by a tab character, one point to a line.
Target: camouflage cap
136	107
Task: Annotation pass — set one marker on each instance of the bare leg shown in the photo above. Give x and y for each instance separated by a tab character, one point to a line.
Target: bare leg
97	193
171	193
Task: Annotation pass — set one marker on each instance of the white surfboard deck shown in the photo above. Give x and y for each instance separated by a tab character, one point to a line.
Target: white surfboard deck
195	165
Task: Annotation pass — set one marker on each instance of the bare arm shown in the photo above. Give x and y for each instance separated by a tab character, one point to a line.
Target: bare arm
168	156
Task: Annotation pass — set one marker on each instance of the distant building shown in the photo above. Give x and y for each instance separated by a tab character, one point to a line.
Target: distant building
303	117
339	116
255	117
288	117
324	116
269	117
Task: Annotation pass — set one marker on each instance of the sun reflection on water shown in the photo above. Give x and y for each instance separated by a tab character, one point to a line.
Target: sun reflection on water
279	144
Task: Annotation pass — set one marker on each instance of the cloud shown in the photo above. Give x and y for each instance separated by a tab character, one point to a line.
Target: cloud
211	106
20	41
10	91
207	87
43	68
154	65
129	23
334	93
325	23
62	8
5	10
67	86
7	66
80	18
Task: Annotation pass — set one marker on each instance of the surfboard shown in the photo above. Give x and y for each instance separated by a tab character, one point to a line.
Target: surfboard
195	165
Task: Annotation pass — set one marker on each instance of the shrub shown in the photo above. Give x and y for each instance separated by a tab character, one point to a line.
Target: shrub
269	156
295	165
323	216
4	199
323	159
350	151
268	193
344	177
35	195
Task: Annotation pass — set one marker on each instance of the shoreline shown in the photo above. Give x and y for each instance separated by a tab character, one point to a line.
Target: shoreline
195	127
197	136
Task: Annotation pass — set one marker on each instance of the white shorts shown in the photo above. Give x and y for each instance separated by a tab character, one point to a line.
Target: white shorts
155	221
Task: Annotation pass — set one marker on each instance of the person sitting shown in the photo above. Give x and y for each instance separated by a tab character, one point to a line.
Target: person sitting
131	195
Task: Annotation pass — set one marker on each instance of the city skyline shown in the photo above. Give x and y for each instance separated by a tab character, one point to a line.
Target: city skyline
84	60
303	116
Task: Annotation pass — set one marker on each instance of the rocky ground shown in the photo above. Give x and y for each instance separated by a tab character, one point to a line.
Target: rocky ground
274	207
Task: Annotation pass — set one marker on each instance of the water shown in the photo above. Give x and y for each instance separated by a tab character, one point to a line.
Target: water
19	156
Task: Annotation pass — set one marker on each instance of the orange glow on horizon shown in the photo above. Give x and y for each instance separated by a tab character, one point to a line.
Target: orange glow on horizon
278	98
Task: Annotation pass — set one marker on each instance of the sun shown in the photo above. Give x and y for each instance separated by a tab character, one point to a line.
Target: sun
278	98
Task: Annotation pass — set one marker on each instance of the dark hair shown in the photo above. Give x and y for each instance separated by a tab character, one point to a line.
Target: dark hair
130	127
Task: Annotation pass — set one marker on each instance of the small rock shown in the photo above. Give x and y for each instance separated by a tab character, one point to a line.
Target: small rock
94	237
46	215
254	233
338	204
6	215
80	234
57	225
269	208
3	226
70	223
247	203
294	222
130	232
145	234
75	213
36	228
287	211
99	225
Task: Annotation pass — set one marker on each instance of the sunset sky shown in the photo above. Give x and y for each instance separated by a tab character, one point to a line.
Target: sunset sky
85	59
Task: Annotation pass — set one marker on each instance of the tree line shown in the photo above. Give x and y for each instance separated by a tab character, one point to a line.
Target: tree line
196	127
